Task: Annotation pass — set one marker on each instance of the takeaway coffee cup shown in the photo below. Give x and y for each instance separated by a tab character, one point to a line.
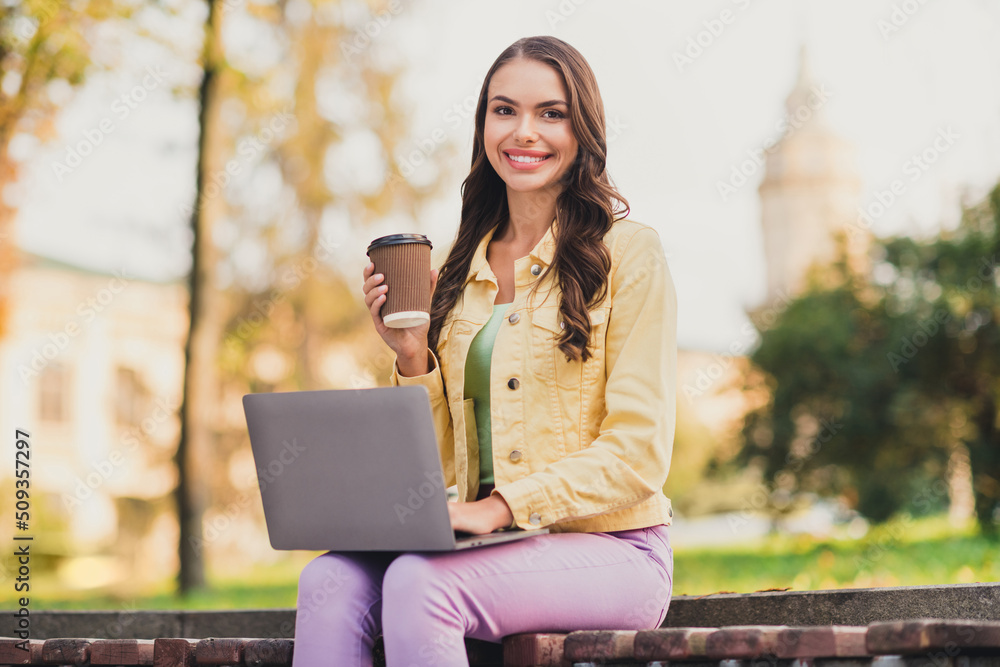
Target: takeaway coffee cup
405	261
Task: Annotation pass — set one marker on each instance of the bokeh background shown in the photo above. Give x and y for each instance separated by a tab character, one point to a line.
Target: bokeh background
187	188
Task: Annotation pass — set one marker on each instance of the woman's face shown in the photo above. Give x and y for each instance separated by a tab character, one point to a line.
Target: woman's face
528	134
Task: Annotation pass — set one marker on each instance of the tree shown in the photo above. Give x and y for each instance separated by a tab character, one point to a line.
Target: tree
206	318
326	49
947	290
295	301
876	383
41	42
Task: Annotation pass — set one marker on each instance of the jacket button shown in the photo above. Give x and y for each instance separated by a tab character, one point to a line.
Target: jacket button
513	383
535	519
513	319
536	269
515	455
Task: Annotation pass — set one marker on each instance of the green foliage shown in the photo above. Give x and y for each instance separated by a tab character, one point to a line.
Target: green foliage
904	552
876	384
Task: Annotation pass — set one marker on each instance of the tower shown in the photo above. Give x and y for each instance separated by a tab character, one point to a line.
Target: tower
810	193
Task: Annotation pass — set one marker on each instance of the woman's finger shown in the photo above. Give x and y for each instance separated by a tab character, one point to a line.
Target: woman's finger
372	281
373	294
375	306
366	274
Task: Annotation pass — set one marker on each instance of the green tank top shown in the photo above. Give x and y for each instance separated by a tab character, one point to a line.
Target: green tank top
477	387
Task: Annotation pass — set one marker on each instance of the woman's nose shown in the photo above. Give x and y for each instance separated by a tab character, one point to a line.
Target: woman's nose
526	131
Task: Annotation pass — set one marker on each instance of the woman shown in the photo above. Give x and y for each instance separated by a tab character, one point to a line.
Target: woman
550	362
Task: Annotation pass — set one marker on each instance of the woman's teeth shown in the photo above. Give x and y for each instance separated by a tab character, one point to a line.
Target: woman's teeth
525	158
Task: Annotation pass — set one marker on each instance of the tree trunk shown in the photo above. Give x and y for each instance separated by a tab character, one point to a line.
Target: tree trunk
961	499
198	405
984	456
8	254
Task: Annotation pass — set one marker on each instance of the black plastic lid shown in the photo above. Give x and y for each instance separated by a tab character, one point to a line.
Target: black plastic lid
393	239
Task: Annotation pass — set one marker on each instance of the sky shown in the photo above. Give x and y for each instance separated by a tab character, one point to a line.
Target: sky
689	87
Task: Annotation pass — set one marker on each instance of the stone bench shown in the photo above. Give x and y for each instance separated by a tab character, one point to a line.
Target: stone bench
906	643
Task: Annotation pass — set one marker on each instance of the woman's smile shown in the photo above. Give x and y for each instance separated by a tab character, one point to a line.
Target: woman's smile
522	159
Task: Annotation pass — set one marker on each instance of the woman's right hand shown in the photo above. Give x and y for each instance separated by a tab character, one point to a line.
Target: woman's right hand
409	344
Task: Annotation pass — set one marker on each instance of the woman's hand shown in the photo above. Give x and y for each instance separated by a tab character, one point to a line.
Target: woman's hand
480	517
409	344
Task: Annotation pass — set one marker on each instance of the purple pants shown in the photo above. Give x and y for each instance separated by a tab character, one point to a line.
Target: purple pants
425	604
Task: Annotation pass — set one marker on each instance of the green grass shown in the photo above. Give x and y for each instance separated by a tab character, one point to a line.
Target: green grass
253	587
903	553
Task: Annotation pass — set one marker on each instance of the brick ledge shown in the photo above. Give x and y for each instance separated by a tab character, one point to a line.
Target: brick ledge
859	606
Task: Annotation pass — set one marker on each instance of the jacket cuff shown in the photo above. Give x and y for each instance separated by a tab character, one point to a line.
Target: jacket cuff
527	503
431	379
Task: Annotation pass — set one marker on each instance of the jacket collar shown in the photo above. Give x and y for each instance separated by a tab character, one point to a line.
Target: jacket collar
543	252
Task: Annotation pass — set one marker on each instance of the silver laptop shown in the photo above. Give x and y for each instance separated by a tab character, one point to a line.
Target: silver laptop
354	470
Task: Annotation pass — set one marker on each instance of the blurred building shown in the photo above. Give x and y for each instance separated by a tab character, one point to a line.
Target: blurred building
92	367
810	195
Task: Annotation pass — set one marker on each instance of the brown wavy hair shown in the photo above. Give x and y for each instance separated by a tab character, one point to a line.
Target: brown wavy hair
587	206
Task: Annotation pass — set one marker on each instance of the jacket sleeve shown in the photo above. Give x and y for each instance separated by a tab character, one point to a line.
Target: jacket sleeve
629	460
434	383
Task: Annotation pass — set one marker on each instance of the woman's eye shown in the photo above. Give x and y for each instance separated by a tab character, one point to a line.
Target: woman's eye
555	114
503	111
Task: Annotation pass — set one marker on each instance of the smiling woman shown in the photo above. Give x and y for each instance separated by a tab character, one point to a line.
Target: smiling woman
533	135
550	364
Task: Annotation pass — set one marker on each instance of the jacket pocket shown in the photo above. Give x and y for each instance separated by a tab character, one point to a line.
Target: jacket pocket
471	448
567	374
544	334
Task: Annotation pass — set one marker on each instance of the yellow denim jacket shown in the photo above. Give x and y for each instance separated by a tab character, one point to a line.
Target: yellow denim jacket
577	447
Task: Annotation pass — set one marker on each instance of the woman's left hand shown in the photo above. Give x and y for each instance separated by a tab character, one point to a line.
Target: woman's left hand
480	517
